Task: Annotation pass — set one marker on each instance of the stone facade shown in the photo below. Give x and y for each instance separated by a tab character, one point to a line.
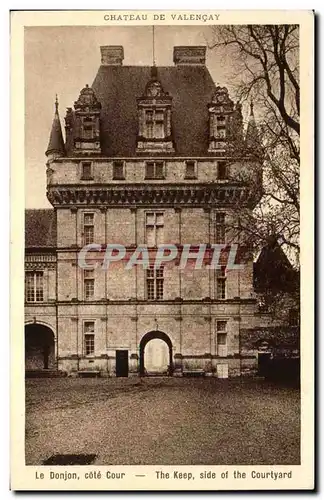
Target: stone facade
103	323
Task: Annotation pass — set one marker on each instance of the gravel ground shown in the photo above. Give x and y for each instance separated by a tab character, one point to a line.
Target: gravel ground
163	421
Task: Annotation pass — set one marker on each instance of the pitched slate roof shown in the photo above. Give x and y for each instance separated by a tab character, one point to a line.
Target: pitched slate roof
273	271
40	228
118	87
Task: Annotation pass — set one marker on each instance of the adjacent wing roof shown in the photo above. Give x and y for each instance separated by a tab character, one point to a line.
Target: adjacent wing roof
40	228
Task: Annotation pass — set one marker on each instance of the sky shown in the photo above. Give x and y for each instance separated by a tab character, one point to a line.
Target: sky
62	60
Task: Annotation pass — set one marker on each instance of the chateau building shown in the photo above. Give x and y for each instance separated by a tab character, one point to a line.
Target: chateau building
151	155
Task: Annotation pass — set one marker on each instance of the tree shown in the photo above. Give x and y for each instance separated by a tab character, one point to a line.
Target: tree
266	70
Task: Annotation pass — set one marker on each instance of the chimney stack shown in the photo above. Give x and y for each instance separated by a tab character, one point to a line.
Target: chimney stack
112	55
189	55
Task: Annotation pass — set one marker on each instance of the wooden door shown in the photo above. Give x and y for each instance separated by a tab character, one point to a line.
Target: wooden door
122	363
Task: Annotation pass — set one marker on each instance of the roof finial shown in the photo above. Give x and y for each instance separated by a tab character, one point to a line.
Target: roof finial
56	104
154	75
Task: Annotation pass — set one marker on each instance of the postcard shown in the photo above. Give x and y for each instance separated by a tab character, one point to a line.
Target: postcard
162	257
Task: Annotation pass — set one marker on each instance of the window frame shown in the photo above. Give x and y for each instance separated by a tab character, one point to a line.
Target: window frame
221	132
85	226
155	225
194	163
222	332
88	131
224	176
154	163
87	280
118	163
157	279
221	280
85	177
151	125
220	226
89	333
35	289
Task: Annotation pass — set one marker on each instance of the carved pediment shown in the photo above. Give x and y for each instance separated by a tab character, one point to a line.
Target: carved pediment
222	98
154	89
87	101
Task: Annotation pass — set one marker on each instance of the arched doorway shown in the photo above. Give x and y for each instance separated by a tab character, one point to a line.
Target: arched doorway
158	358
39	347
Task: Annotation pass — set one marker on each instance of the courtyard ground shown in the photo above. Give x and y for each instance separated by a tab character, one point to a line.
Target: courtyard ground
163	421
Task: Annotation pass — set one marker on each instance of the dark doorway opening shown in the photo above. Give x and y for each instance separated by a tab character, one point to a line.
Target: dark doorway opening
122	363
150	336
264	362
39	347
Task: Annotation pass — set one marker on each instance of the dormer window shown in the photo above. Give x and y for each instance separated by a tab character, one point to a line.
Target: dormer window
221	110
154	118
86	123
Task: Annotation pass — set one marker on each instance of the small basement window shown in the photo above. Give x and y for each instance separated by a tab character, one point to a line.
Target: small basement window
222	170
191	170
118	170
86	171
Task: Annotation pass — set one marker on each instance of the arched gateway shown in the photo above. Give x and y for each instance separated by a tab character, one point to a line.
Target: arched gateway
155	361
39	347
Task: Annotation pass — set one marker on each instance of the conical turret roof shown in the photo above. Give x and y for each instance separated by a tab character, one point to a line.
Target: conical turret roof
252	137
56	142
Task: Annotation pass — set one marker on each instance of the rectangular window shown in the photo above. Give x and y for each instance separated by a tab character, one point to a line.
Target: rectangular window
149	124
190	170
86	173
220	229
221	284
154	228
89	338
118	170
159	124
222	170
89	282
88	131
154	283
221	338
34	282
221	133
154	170
88	228
149	170
159	115
154	124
